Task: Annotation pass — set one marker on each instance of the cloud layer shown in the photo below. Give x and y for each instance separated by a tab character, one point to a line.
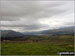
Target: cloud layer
36	15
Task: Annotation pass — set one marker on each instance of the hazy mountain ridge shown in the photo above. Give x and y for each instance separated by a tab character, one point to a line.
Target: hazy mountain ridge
11	33
65	30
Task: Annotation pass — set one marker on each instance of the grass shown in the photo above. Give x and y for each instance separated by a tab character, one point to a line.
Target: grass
34	48
52	47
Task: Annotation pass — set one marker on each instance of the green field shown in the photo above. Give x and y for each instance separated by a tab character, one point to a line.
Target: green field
37	48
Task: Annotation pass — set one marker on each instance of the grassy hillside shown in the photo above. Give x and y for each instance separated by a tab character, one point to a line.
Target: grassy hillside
47	46
34	48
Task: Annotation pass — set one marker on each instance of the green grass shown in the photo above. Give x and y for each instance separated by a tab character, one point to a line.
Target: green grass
51	46
33	48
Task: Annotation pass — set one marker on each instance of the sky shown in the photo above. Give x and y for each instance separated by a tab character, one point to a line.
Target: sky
30	15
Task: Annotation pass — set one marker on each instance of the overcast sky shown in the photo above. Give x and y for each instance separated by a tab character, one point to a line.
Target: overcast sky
36	15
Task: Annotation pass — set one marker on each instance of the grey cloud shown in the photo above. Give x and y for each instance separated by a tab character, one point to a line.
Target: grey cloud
9	18
29	9
24	27
26	14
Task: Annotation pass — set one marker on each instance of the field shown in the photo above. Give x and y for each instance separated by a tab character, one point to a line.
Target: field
45	47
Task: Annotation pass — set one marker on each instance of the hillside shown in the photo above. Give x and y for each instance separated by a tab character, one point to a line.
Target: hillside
64	30
10	33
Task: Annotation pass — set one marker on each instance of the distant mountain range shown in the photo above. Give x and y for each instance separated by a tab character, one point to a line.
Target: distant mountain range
65	30
10	33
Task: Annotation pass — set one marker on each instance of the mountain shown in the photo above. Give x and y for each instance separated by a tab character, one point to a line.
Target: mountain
31	33
13	35
64	30
10	33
